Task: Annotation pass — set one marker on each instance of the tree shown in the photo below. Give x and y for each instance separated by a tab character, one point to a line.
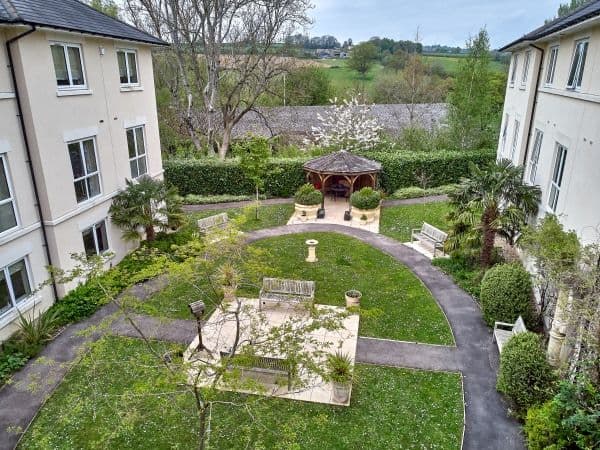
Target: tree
226	54
146	204
254	161
564	9
213	268
362	58
396	61
413	86
348	126
108	7
473	117
308	86
494	200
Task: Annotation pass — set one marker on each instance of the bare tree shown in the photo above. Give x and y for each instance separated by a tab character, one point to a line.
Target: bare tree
227	53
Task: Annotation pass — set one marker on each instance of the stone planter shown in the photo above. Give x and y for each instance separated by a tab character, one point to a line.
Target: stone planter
371	214
341	391
353	298
311	210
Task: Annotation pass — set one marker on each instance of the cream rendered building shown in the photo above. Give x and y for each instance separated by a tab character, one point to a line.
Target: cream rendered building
85	93
551	118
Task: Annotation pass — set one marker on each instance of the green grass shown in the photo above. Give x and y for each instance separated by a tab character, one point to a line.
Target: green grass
345	79
450	63
466	275
119	397
399	306
398	221
268	216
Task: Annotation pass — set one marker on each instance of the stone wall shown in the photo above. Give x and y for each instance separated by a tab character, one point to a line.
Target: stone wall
296	122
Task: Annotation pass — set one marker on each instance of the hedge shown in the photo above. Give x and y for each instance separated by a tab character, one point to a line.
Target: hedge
400	169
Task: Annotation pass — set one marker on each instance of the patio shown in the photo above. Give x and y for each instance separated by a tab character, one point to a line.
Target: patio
334	214
218	334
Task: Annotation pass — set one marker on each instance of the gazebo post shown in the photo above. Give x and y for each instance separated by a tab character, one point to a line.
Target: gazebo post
322	191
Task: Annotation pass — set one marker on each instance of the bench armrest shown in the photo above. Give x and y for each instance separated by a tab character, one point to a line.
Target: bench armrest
503	325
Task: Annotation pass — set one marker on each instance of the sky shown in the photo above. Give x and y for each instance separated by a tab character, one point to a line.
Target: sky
446	22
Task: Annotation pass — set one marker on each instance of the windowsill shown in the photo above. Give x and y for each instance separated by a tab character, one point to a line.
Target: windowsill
522	87
89	201
12	314
511	85
71	92
127	88
571	93
7	95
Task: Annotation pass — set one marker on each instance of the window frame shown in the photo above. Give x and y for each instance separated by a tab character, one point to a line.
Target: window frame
71	86
579	69
525	71
86	175
551	68
535	154
11	199
558	170
505	132
11	295
513	146
94	227
137	156
127	51
513	73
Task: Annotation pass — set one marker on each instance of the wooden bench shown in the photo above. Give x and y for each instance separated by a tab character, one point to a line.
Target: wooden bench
261	365
211	222
432	235
281	291
504	331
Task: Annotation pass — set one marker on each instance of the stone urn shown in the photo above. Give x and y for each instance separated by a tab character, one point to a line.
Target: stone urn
341	391
310	211
353	298
370	214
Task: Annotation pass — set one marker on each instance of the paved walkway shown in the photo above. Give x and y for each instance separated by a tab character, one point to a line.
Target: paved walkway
486	422
283	201
487	425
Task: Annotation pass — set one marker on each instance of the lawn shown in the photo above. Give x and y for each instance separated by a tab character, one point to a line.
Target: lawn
396	305
450	63
119	397
268	216
398	221
345	79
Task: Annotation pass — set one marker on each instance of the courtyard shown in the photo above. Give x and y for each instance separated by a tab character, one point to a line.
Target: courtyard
421	357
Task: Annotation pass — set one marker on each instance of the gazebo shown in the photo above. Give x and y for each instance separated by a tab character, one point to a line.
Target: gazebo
342	172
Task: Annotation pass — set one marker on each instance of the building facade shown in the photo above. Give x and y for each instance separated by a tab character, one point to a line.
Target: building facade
551	117
83	85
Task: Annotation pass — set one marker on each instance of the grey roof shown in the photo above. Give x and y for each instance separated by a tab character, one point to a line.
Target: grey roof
587	11
71	15
343	163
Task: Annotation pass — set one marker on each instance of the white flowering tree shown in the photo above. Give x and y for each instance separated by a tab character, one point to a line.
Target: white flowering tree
348	125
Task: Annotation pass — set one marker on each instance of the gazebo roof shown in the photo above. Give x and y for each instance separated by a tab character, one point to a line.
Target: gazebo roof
343	163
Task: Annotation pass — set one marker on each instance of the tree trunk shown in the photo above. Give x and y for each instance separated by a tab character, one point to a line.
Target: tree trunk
489	236
257	201
226	141
150	233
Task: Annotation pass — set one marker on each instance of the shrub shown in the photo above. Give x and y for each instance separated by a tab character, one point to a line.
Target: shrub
192	199
506	294
569	420
366	198
416	191
9	363
400	169
525	375
308	195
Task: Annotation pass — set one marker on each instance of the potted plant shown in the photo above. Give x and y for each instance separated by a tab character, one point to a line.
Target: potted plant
339	371
353	298
366	202
308	200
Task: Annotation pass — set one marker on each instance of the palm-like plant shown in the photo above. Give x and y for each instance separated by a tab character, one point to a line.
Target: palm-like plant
146	204
494	200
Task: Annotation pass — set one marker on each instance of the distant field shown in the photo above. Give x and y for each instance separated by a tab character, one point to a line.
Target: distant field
345	79
450	63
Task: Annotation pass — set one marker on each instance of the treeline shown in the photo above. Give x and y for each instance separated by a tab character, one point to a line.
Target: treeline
312	43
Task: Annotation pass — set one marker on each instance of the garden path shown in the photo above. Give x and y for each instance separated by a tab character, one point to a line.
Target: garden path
487	424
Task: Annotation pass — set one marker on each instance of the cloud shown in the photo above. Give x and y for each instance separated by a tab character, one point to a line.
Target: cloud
449	22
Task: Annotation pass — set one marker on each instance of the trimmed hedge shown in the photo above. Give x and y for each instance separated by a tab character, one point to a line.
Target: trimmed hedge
525	375
400	169
506	294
